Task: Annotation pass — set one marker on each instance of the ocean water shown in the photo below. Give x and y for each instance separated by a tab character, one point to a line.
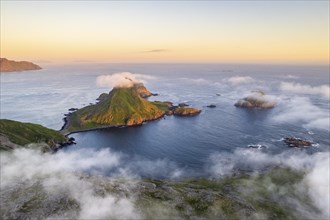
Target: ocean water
185	144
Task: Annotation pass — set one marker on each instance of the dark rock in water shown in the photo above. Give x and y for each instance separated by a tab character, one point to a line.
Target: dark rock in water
183	105
297	142
211	106
72	140
155	94
257	146
72	109
218	94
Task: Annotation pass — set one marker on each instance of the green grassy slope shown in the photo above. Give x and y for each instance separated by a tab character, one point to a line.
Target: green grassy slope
123	106
25	133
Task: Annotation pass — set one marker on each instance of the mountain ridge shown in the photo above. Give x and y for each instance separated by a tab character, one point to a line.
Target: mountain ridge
13	66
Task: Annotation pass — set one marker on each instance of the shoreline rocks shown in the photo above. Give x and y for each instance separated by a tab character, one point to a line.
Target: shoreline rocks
211	106
186	111
297	142
183	104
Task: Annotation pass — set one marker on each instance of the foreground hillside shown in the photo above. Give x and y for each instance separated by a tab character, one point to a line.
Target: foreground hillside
268	195
12	66
14	134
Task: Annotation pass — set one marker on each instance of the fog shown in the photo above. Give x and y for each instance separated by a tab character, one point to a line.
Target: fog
323	90
315	166
59	173
123	79
236	80
302	110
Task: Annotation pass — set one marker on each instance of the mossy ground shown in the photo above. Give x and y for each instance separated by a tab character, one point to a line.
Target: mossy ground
25	133
262	196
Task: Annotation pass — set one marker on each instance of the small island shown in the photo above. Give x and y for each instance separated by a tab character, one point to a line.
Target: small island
297	142
257	100
123	106
13	66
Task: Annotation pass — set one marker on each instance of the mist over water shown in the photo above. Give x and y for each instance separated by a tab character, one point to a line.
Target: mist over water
213	144
44	96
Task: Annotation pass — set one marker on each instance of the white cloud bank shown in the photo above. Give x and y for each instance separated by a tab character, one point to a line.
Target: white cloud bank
300	109
236	80
316	165
323	90
56	174
123	80
60	174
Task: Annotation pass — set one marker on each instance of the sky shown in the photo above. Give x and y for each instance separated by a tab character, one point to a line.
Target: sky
173	31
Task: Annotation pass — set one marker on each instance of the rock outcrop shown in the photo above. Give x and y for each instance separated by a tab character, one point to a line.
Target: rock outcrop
142	90
257	100
297	142
12	66
186	111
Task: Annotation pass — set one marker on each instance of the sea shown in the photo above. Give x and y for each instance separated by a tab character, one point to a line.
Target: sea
181	146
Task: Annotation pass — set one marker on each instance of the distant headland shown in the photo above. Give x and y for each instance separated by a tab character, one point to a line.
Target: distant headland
13	66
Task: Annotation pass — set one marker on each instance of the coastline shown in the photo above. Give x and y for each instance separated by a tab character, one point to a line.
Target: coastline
67	121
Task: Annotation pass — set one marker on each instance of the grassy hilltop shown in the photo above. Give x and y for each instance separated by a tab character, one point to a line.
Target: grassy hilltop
15	134
121	107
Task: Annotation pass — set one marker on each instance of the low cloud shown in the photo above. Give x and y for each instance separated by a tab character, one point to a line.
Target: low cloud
198	81
56	174
122	80
317	167
300	109
64	173
292	76
236	80
323	90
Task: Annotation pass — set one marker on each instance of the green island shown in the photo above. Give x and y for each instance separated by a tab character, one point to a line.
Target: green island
14	134
122	107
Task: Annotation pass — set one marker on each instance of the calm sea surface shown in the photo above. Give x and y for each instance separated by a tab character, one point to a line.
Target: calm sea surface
188	143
